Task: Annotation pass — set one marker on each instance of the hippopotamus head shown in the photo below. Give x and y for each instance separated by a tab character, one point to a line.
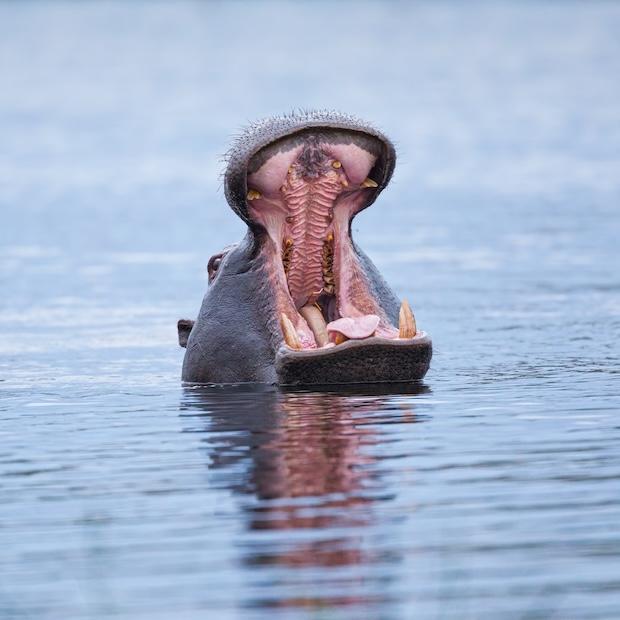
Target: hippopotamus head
296	301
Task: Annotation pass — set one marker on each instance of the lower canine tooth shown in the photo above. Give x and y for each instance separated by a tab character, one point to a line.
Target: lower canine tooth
406	321
290	335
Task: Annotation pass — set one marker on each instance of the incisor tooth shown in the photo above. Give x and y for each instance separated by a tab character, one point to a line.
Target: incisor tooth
369	183
290	335
253	195
316	322
406	321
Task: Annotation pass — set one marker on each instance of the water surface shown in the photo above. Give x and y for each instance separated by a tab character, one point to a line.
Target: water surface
490	491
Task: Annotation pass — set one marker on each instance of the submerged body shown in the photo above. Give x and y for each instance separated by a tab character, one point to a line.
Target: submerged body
297	302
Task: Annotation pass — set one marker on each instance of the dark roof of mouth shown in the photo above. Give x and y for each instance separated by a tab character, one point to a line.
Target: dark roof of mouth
263	132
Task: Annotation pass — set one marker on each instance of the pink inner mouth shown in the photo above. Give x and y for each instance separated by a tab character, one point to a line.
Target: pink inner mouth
305	196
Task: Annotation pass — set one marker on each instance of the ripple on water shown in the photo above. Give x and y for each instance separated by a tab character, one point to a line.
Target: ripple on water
490	491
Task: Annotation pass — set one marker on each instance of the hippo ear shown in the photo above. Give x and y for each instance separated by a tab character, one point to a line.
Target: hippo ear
184	327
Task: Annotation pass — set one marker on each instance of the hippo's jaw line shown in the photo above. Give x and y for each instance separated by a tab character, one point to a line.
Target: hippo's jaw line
305	195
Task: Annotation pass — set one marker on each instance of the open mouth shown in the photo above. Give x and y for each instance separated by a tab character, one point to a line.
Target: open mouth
304	190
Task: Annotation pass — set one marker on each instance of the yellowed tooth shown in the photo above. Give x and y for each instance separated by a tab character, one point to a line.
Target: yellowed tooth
330	236
336	164
253	195
290	334
339	338
369	183
406	321
287	248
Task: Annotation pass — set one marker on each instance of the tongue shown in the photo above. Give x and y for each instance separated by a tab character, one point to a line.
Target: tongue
355	328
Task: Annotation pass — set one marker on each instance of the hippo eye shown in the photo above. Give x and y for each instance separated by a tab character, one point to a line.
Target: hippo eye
214	264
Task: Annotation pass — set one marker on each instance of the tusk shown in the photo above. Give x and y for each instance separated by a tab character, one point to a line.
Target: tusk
369	183
406	321
316	322
290	335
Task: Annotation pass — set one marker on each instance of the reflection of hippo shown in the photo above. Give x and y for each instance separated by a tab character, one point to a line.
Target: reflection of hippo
297	302
311	462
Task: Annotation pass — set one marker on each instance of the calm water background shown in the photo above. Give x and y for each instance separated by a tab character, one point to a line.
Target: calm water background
490	492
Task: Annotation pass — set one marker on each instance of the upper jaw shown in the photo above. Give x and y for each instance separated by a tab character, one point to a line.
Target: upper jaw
261	133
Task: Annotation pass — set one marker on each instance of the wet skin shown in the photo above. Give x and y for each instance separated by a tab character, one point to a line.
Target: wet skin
296	301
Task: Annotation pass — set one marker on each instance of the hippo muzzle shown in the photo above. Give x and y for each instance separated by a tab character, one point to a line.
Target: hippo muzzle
296	302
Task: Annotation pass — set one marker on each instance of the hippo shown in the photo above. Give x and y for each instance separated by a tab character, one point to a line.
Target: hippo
297	302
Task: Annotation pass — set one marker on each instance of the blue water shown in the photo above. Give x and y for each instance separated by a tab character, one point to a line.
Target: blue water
492	491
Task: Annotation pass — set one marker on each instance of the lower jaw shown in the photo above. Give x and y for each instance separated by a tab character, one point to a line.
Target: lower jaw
372	360
390	355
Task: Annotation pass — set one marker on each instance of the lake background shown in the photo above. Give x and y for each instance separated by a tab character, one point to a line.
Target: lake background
490	491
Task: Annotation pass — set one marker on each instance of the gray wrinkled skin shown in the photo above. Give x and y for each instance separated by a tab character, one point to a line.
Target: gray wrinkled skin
236	337
233	338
